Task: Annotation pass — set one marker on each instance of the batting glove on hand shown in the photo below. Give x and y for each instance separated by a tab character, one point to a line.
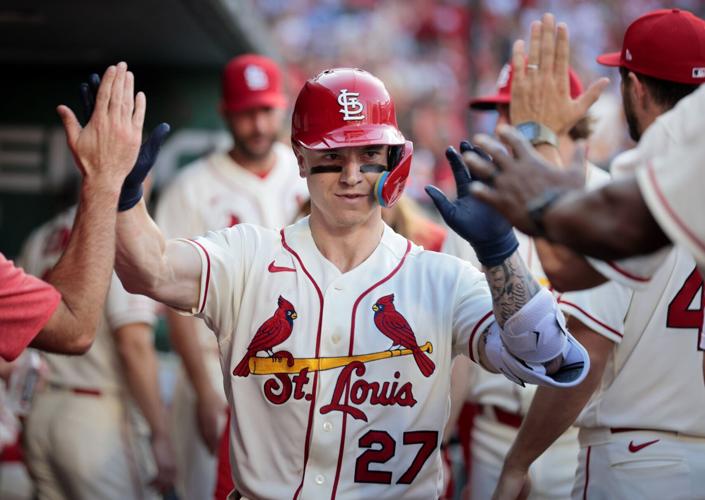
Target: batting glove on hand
131	192
490	235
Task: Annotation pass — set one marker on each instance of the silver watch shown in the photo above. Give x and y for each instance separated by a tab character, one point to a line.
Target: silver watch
537	133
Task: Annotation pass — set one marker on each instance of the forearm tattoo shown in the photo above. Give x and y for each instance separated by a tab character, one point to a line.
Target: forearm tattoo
511	285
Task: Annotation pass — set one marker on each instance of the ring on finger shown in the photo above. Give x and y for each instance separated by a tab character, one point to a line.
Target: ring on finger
532	66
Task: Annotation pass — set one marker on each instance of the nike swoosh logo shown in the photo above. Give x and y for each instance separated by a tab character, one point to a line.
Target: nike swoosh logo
276	269
636	447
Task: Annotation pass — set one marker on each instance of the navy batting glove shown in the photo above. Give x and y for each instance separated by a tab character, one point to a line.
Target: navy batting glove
490	234
131	192
132	187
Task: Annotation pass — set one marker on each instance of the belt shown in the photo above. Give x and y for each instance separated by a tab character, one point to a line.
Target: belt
84	391
601	435
503	416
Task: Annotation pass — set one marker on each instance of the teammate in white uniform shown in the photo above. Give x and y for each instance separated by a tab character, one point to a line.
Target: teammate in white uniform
503	404
255	182
86	436
642	433
336	335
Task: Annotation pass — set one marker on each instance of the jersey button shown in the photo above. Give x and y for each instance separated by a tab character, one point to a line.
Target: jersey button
335	338
320	479
327	426
338	287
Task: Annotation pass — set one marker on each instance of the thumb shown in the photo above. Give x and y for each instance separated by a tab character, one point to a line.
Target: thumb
155	140
591	95
443	204
71	125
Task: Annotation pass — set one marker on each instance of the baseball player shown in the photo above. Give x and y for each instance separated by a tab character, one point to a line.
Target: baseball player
335	334
86	436
504	404
623	399
255	182
56	316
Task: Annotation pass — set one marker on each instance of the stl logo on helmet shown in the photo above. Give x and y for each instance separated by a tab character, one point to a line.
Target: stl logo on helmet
351	107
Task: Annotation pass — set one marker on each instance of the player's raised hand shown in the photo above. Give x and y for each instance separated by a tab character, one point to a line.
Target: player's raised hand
132	190
490	235
541	81
107	147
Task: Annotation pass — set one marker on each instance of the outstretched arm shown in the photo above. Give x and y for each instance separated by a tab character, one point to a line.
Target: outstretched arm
609	223
105	151
147	264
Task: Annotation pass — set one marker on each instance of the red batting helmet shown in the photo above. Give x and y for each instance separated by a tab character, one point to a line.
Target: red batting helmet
346	107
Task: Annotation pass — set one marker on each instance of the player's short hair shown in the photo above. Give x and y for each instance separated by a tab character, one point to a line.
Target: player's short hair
664	92
582	129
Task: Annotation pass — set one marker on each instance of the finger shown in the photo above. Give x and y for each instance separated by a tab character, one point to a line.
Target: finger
518	69
562	60
443	204
460	172
94	82
519	146
87	102
117	90
71	125
128	97
486	194
535	44
140	108
500	157
150	149
548	47
591	95
467	146
103	94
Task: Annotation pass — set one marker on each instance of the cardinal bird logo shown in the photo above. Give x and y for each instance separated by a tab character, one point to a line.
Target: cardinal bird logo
270	334
391	323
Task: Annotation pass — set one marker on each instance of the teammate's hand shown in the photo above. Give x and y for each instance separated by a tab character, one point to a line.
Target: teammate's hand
541	82
490	235
210	410
163	453
131	191
107	147
513	484
512	181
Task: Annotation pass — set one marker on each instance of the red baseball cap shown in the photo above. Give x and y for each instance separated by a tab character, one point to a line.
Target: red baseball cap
668	44
504	90
251	81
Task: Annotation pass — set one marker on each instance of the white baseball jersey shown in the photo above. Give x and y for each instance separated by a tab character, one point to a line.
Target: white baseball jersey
334	413
100	367
671	184
215	192
662	322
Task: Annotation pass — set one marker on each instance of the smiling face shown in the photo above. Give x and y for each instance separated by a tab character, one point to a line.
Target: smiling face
341	182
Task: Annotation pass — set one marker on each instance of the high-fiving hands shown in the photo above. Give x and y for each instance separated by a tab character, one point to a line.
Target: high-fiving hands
106	149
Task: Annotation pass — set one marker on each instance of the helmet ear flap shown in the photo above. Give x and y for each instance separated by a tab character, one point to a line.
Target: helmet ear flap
390	184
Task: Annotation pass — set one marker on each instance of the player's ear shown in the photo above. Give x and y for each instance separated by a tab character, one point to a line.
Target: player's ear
298	152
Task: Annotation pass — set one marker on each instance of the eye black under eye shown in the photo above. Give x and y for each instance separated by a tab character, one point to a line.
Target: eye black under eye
372	168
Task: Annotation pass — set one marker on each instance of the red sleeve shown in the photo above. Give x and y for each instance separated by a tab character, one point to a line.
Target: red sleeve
26	304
